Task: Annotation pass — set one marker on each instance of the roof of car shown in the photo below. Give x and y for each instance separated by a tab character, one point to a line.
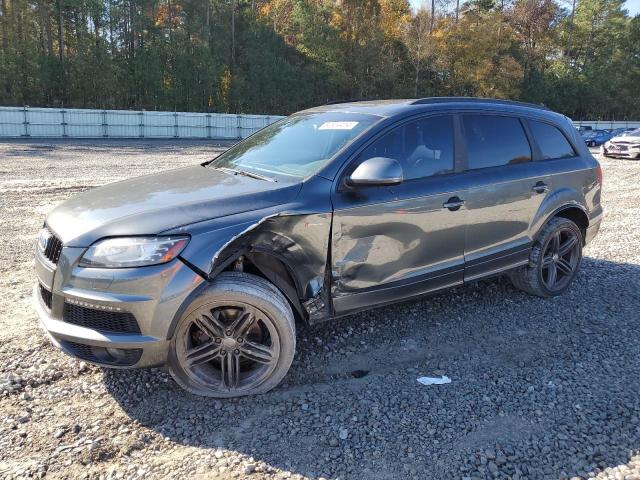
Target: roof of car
388	108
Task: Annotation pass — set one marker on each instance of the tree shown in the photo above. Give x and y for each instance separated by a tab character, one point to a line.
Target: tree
418	39
474	57
534	23
278	56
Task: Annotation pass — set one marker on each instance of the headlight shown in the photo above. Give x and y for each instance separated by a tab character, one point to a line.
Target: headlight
127	252
43	239
606	144
634	146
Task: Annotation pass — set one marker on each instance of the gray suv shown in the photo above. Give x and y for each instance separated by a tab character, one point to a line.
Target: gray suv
328	212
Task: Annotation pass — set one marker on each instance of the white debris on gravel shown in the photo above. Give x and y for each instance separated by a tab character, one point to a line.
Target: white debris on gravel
443	380
550	387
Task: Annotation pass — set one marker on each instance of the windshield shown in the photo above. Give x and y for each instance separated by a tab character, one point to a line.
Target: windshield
296	146
633	133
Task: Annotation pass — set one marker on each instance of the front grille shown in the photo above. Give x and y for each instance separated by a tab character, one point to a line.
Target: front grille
53	248
46	295
119	357
118	322
620	145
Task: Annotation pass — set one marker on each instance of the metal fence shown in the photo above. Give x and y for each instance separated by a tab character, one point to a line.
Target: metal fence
605	124
85	123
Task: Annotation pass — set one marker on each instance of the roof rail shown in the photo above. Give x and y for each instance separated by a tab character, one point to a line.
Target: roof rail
425	101
351	100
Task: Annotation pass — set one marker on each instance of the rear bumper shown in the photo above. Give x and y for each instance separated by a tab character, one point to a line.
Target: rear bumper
151	296
593	228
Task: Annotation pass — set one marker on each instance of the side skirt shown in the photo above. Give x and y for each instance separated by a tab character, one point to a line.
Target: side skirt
497	263
379	297
375	297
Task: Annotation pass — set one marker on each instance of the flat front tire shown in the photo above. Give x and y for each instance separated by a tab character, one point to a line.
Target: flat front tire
554	260
236	338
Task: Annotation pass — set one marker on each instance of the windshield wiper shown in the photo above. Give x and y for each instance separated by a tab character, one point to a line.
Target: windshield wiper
246	174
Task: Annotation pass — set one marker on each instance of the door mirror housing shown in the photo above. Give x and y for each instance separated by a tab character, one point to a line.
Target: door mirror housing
376	171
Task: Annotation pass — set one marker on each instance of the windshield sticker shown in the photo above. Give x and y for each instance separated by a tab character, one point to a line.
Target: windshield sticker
337	126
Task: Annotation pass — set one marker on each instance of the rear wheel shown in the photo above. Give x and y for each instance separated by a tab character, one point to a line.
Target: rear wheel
237	338
554	261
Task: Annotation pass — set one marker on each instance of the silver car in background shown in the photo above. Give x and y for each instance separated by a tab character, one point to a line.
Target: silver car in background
626	145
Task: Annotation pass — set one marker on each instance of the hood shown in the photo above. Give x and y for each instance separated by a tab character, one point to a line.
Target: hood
626	138
154	203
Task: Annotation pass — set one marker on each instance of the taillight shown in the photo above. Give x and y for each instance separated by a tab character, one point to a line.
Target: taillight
599	174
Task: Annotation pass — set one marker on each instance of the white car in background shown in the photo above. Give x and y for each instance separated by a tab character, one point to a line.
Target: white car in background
626	145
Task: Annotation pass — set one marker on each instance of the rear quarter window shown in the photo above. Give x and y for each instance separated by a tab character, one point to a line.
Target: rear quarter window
551	141
494	140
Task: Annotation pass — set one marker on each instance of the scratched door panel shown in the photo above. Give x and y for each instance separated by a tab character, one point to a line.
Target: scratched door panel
405	239
396	241
388	242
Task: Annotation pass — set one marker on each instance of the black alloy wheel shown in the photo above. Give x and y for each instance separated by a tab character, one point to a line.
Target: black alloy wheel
560	259
236	338
554	259
228	347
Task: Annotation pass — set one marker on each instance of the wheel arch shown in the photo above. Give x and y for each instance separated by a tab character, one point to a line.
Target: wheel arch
565	202
577	215
269	265
572	211
264	264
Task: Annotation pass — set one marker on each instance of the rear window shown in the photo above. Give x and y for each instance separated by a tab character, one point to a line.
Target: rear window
494	140
552	142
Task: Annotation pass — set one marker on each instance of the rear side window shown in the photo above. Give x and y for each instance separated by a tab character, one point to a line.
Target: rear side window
552	142
423	147
494	140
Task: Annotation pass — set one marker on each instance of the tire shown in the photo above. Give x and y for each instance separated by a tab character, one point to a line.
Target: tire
237	338
534	278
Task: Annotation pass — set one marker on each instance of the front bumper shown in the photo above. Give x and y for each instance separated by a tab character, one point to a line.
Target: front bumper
629	153
152	296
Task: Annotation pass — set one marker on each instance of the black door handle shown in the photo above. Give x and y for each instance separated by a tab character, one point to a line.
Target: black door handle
541	187
453	204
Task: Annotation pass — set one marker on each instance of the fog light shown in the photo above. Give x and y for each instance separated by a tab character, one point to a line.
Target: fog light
117	353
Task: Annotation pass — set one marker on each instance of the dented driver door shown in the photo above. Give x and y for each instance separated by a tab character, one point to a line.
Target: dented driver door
394	242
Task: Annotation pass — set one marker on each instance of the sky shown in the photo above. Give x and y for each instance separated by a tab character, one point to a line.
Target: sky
632	5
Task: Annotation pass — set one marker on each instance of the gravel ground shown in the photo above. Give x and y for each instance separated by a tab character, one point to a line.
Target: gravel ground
540	388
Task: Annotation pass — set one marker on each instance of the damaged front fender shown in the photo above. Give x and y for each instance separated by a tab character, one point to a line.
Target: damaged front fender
295	236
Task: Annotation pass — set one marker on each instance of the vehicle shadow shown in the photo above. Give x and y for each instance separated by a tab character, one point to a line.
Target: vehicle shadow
540	388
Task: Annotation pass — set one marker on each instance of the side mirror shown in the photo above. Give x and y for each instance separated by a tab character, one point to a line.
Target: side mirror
377	171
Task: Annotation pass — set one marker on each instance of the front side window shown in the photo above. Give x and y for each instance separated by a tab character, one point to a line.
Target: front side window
494	140
297	146
423	147
552	142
